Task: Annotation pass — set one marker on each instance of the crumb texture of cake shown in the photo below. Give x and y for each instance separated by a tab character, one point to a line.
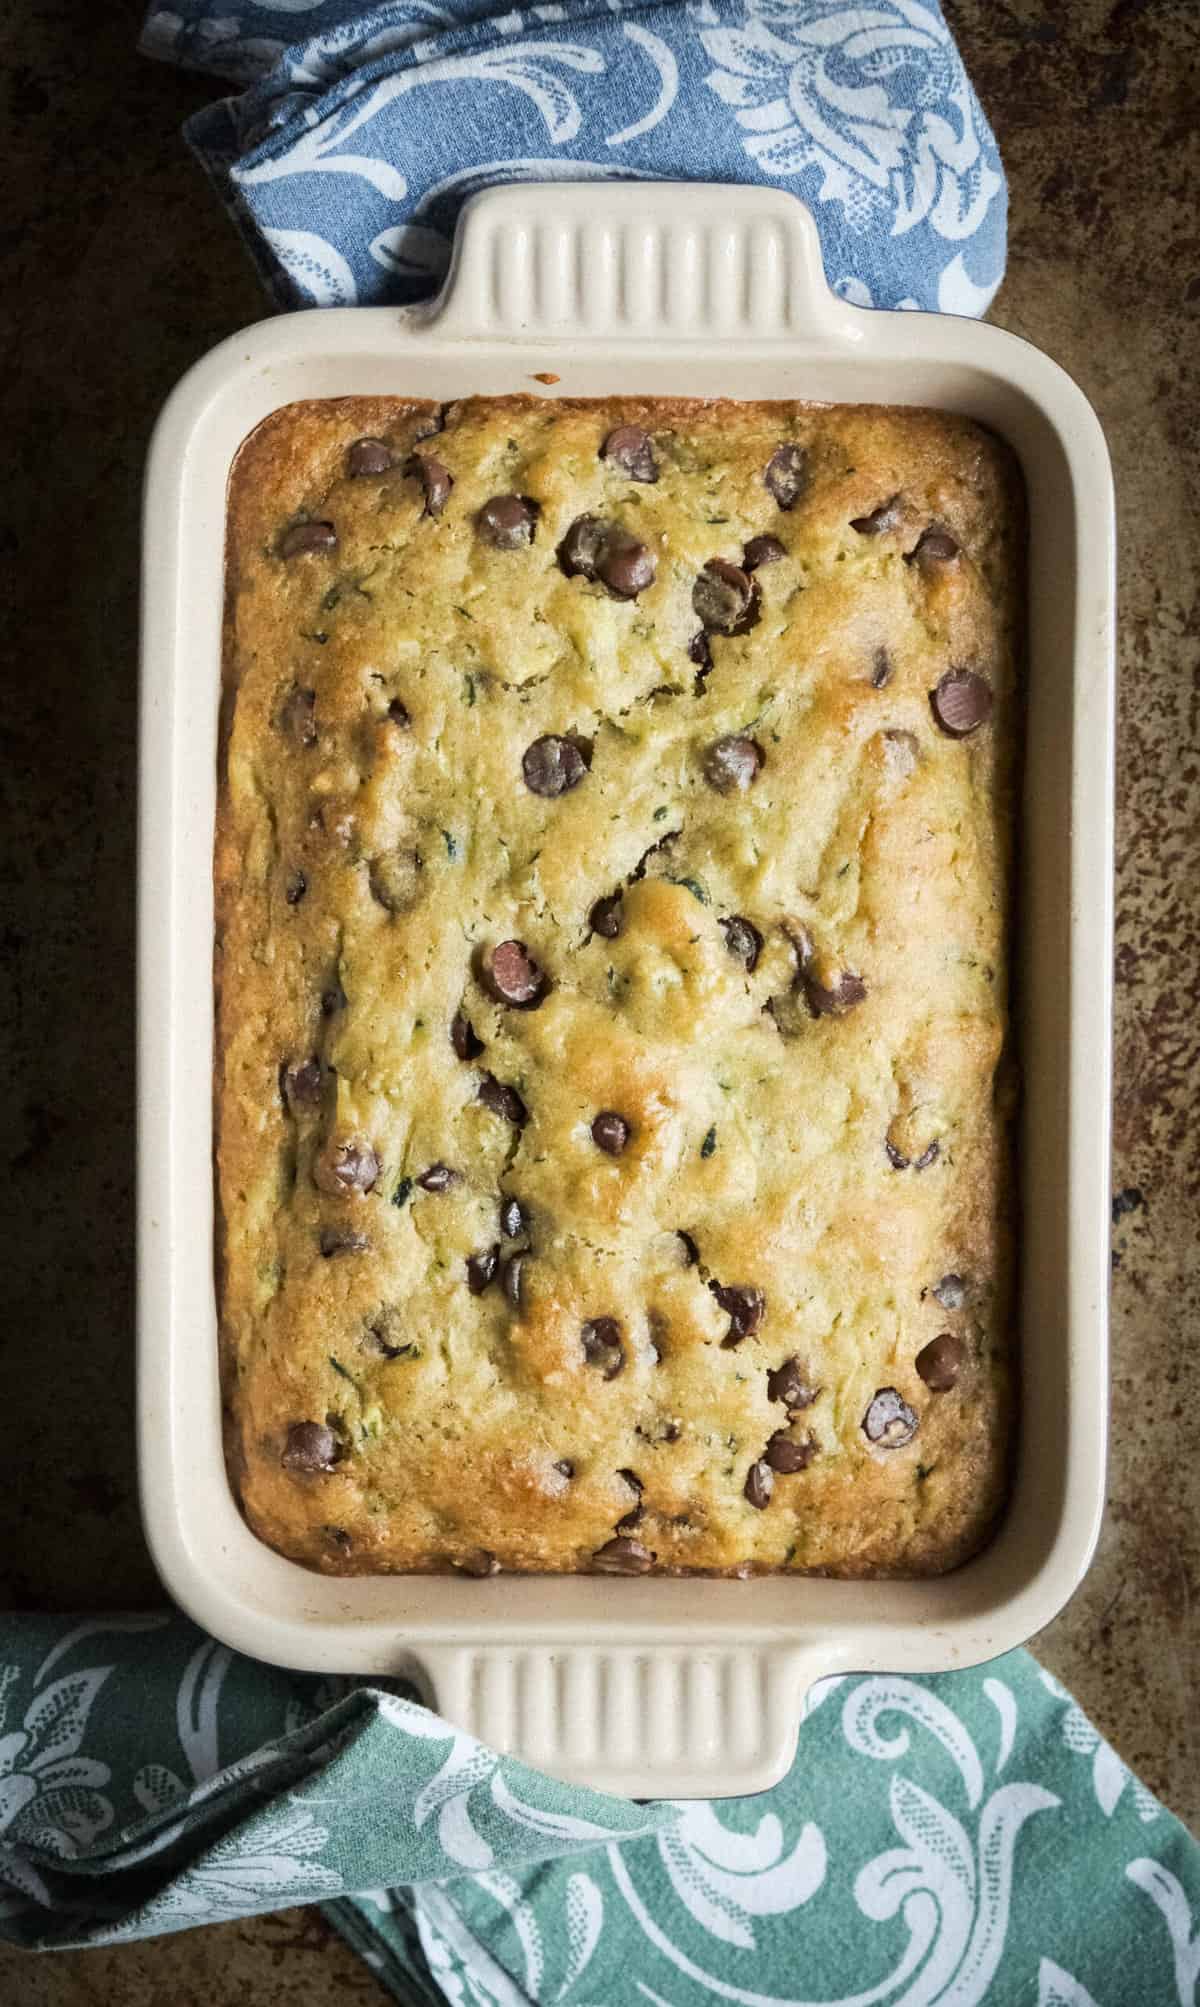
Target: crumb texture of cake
614	1097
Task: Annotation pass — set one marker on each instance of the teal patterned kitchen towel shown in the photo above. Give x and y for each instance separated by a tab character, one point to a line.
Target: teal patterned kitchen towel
938	1842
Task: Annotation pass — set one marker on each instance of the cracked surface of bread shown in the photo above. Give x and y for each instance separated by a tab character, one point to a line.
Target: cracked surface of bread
818	1107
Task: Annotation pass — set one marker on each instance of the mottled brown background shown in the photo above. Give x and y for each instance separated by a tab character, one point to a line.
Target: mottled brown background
119	270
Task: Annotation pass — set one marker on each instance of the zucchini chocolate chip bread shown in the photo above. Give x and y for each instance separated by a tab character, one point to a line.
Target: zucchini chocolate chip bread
612	885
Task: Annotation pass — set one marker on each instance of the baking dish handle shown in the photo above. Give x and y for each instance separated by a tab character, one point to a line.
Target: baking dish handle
640	260
640	1721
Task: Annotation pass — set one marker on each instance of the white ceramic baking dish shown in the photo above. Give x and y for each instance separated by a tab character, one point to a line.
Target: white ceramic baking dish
651	1687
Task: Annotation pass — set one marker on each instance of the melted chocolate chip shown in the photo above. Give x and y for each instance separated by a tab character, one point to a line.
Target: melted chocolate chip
884	518
610	1132
787	1455
436	481
511	976
295	889
725	598
503	1100
743	941
934	546
629	1520
602	1347
889	1421
310	1447
368	456
881	669
511	1273
760	1483
700	653
927	1156
629	448
786	475
482	1267
895	1157
745	1307
398	713
793	1384
691	1253
341	1240
296	717
732	764
481	1562
961	702
760	551
300	1085
622	1556
951	1292
940	1362
514	1220
552	765
605	916
304	537
346	1167
463	1039
507	522
849	991
438	1178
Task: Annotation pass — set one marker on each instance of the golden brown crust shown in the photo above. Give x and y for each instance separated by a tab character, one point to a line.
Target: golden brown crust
366	867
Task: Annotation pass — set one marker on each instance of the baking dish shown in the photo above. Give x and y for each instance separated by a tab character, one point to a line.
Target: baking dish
652	1687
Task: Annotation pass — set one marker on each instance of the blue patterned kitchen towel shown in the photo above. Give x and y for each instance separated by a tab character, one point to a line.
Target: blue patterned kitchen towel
362	129
941	1842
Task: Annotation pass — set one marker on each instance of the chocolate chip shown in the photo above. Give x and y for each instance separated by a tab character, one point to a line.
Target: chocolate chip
333	1000
503	1100
580	549
787	1455
394	878
605	916
732	764
725	598
610	1131
602	1347
429	423
338	1537
671	1432
629	448
510	1278
743	941
565	1465
760	551
760	1483
514	1220
927	1156
885	517
304	537
848	991
368	456
341	1240
700	653
438	1178
511	976
295	888
310	1447
786	475
595	548
300	1085
378	1343
934	546
745	1307
631	1478
951	1292
889	1421
881	669
552	765
629	1520
398	713
940	1362
481	1268
296	717
793	1384
463	1039
622	1556
895	1157
436	481
691	1253
346	1167
507	522
962	701
480	1562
